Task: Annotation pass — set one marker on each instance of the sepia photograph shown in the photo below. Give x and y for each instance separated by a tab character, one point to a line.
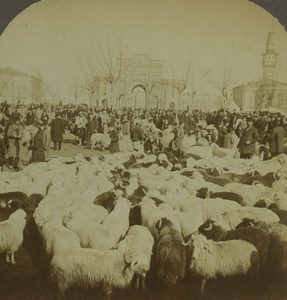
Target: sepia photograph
143	149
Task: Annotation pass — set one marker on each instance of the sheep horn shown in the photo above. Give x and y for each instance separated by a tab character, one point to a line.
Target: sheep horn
133	264
255	182
186	244
209	227
121	185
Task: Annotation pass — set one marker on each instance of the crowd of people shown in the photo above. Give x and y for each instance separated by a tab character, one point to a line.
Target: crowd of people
228	129
242	130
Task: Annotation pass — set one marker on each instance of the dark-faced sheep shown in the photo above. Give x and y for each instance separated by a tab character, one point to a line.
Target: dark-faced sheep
205	193
256	236
170	254
212	259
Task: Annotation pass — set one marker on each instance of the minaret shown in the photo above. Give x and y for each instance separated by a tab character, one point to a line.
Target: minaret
269	62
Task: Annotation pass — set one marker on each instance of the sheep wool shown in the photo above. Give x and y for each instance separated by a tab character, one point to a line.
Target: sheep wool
89	268
11	234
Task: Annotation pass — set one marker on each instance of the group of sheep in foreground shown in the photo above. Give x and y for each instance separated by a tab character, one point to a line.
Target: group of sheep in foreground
104	223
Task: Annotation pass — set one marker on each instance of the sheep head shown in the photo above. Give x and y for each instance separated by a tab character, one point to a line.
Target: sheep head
246	223
199	243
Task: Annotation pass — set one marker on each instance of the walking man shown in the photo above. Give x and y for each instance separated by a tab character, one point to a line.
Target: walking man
57	131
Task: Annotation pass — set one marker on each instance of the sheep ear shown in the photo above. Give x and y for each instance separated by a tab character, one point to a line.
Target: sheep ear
158	224
128	257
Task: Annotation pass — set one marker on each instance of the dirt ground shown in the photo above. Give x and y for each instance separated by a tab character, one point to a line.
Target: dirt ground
24	281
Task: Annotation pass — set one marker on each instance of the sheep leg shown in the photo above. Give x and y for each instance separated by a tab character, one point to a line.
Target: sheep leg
8	257
12	258
108	291
137	285
142	282
203	282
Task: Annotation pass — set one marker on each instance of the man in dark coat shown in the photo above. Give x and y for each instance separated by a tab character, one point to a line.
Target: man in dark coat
247	140
30	117
114	145
57	131
279	138
2	149
39	144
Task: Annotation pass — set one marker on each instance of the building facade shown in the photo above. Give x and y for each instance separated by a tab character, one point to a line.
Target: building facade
18	87
267	93
142	84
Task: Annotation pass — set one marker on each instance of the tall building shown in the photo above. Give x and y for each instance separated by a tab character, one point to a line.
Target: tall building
269	58
19	87
267	93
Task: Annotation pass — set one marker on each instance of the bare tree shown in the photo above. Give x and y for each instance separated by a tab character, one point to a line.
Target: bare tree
186	80
181	82
269	86
149	81
102	62
225	82
50	92
110	62
76	89
87	72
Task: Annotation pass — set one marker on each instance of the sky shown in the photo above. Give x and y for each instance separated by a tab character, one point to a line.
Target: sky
49	37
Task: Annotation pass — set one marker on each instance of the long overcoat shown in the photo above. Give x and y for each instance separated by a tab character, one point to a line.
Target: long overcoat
39	146
57	130
247	140
277	143
15	133
114	146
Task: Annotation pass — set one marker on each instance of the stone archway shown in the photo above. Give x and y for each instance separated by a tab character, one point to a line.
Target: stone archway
138	96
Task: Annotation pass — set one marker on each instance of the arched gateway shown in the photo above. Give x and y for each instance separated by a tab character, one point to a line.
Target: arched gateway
140	85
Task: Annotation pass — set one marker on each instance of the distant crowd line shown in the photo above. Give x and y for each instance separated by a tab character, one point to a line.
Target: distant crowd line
228	129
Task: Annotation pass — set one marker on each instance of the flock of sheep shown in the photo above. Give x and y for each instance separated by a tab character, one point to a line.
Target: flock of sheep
126	220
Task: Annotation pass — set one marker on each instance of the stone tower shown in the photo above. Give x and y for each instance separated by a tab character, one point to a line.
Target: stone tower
269	62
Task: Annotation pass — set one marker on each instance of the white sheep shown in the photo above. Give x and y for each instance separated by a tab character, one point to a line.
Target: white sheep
103	140
90	268
91	234
150	214
92	212
118	219
58	238
212	259
212	208
231	219
139	240
189	222
11	234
